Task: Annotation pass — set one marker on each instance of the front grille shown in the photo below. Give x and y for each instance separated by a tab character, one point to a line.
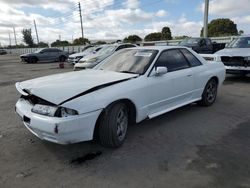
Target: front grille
235	61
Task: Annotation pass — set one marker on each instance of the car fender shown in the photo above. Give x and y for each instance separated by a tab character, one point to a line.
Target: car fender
133	90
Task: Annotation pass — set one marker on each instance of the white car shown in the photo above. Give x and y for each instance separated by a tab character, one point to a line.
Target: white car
74	58
130	86
93	59
236	56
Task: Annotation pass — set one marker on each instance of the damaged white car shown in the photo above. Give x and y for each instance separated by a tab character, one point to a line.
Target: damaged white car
132	85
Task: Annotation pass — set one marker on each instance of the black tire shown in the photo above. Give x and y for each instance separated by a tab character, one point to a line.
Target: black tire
32	60
62	59
113	125
210	93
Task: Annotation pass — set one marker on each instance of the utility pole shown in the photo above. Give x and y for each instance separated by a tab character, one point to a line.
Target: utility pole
36	32
15	35
9	39
205	27
80	11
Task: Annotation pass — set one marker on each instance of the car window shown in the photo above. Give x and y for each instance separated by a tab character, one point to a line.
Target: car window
45	50
129	46
122	47
191	58
130	61
203	42
208	42
173	60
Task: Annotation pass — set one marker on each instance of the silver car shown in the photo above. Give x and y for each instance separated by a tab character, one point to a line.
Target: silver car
45	55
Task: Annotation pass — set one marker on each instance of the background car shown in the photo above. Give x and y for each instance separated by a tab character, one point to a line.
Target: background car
132	85
45	55
3	52
202	45
236	56
74	58
93	59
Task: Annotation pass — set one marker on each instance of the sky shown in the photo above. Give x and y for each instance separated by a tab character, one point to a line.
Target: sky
113	19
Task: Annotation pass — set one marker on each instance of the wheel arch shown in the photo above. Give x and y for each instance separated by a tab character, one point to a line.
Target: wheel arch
132	113
215	78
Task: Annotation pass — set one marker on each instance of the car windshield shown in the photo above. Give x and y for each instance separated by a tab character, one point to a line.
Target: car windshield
38	51
241	42
190	41
106	50
135	61
89	50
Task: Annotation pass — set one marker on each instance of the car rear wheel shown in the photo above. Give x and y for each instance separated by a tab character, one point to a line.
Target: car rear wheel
62	58
210	93
114	125
33	60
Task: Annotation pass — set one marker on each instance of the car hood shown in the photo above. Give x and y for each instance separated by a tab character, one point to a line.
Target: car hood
28	54
244	52
79	54
92	56
61	87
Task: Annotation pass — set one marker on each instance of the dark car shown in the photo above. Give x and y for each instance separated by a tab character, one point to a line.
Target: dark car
3	52
202	45
45	55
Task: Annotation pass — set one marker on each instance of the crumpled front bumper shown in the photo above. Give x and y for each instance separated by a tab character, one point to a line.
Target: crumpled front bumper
65	130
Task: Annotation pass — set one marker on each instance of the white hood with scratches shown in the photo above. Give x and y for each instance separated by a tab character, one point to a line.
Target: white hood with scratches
60	87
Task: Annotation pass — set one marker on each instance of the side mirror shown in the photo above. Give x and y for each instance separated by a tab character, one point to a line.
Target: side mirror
160	71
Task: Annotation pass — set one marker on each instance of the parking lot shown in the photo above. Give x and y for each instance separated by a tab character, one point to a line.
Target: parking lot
193	146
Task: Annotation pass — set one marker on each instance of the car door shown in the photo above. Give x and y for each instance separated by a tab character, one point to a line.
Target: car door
54	54
173	88
43	55
198	73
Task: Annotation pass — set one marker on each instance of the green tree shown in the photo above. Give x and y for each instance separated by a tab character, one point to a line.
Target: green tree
27	37
60	43
42	45
241	32
100	42
81	41
181	37
132	39
166	33
221	27
153	36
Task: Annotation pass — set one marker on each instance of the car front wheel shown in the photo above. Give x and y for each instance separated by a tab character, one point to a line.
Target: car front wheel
114	125
210	93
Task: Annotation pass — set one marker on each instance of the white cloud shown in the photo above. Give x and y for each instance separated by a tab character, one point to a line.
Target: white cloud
131	4
227	7
161	13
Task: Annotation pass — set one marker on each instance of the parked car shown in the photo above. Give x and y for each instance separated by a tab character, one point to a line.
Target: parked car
93	59
236	56
3	52
132	85
74	58
202	45
45	55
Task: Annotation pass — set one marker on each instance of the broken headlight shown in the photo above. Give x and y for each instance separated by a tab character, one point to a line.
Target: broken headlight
65	112
44	110
53	111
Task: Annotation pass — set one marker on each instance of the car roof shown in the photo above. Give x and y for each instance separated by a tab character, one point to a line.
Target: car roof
160	48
